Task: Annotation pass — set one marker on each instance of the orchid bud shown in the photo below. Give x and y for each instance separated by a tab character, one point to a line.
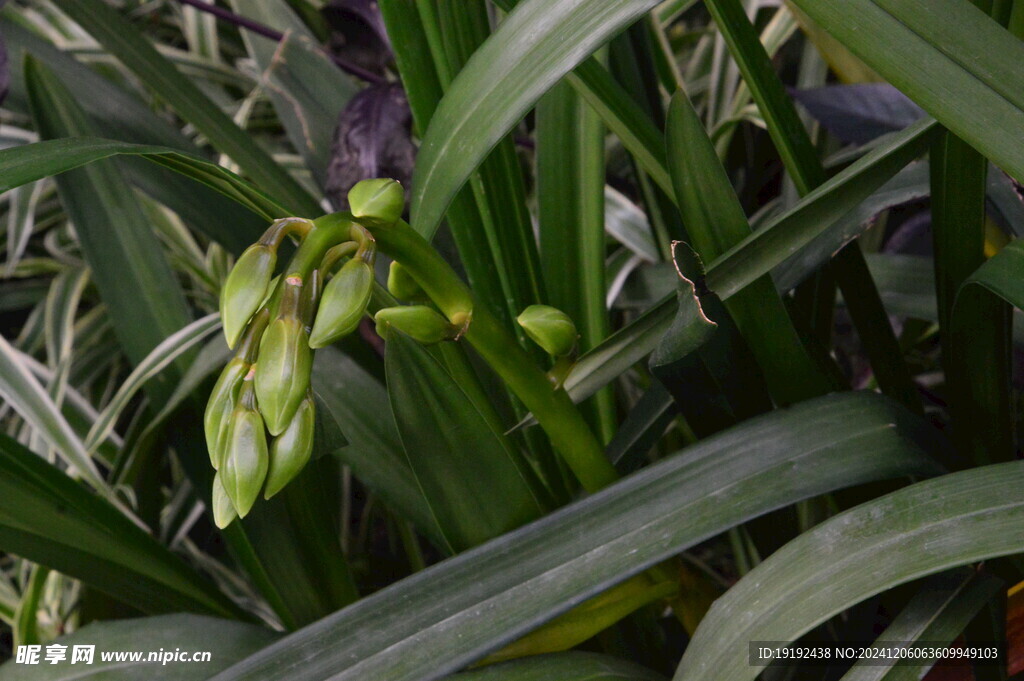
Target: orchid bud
343	303
382	200
223	510
291	450
550	328
245	289
220	407
285	362
246	458
420	322
401	284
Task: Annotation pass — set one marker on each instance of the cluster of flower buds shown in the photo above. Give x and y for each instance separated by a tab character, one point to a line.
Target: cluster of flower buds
260	418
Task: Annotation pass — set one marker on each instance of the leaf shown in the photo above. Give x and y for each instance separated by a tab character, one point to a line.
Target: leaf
307	90
759	253
953	520
624	221
123	41
173	347
715	221
476	484
27	397
30	162
431	624
373	139
946	55
943	608
537	44
48	518
980	332
359	404
225	641
858	113
5	70
116	113
571	228
573	666
144	301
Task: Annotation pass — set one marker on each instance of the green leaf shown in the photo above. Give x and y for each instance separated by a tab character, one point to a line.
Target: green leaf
169	350
574	666
922	529
570	216
946	55
940	611
116	113
30	162
538	43
307	90
757	255
715	221
476	484
27	397
979	373
225	641
359	404
48	518
137	54
431	624
144	300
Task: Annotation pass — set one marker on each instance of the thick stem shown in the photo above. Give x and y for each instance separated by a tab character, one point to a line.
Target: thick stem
555	412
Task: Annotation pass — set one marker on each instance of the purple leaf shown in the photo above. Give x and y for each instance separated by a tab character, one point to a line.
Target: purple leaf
861	112
373	139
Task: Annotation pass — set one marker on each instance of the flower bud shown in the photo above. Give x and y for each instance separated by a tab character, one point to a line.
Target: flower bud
401	284
549	328
381	199
290	451
245	289
343	303
223	510
285	362
420	322
246	458
222	403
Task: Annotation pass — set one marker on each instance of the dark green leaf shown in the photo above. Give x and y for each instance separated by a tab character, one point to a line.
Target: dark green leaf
476	484
431	624
922	529
50	519
226	642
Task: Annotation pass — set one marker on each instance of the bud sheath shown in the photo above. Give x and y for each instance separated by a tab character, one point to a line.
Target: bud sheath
291	450
420	322
245	289
343	303
549	328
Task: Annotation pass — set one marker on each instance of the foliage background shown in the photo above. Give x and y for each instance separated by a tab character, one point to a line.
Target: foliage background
787	232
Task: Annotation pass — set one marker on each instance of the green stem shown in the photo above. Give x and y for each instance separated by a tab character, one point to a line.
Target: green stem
554	410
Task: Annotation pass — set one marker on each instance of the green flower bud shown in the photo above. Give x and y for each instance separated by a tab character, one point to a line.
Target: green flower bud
223	510
222	403
290	451
381	199
285	363
420	322
549	328
343	303
246	457
245	289
401	284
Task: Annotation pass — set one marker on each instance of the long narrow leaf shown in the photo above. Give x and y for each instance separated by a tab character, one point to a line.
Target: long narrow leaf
922	529
433	623
126	43
537	44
